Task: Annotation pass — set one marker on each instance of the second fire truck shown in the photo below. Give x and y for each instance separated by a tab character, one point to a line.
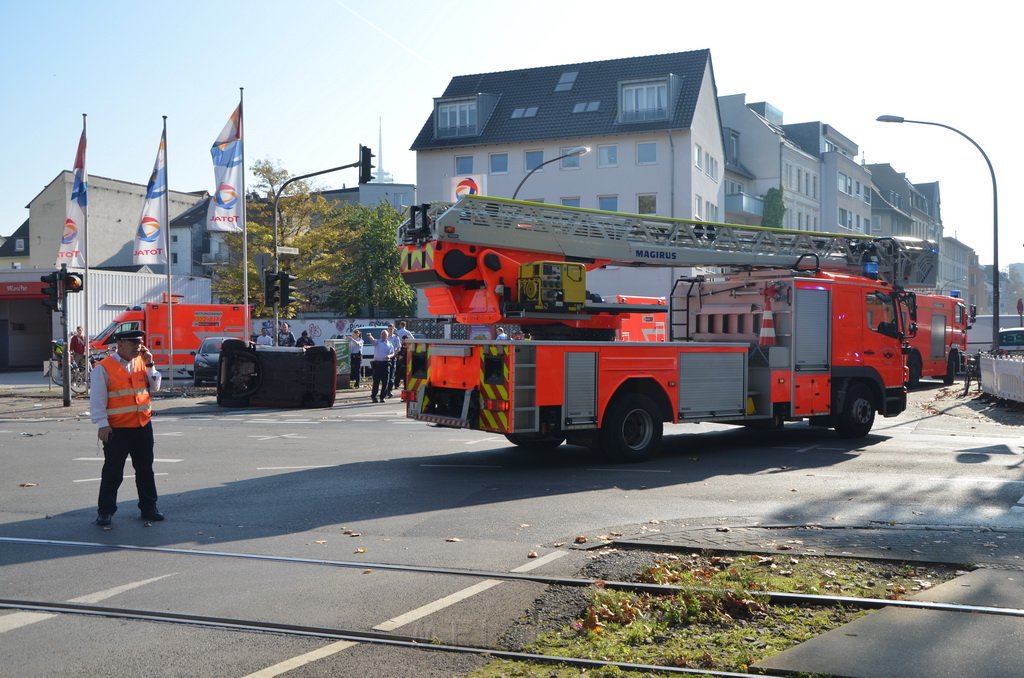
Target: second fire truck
799	325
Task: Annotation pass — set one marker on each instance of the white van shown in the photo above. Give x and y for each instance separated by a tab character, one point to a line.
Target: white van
979	336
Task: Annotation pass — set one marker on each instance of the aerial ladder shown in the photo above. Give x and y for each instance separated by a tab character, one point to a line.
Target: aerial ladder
487	260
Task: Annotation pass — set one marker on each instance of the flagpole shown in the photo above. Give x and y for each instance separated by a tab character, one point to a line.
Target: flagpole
245	221
167	252
85	256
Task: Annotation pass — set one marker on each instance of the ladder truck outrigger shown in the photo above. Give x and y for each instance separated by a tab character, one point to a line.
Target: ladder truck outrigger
786	326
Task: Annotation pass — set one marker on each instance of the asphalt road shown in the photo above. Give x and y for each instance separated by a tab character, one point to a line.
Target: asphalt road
361	484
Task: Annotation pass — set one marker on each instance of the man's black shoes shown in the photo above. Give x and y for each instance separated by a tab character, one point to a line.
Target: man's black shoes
152	516
102	519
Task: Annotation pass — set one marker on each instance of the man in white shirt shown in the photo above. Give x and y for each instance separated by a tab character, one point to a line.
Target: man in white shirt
382	354
501	335
264	339
119	403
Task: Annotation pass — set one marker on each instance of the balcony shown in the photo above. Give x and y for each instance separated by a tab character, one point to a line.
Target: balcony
215	259
748	206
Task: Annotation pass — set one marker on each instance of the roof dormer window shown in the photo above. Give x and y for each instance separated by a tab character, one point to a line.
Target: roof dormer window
457	119
642	101
566	82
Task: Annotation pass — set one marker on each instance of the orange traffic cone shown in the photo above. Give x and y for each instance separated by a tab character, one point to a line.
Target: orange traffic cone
767	336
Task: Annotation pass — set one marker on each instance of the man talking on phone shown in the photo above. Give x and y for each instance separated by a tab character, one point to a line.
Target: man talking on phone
119	401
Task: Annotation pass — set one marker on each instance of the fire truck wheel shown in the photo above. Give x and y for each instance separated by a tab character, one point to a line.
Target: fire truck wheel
914	367
951	364
858	413
534	442
632	429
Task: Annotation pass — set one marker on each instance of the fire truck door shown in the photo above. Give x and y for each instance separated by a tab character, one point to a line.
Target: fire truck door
812	328
580	389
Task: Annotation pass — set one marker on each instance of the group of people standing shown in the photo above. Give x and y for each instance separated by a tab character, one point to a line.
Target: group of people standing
388	363
284	338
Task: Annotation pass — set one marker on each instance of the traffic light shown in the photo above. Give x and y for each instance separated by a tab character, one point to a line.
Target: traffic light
365	158
286	287
271	291
52	292
73	282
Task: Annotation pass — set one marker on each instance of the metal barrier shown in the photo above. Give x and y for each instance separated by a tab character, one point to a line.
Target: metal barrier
1003	376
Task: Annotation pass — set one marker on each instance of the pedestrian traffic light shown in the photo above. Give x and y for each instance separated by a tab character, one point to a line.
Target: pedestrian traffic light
73	282
365	158
286	287
271	291
52	300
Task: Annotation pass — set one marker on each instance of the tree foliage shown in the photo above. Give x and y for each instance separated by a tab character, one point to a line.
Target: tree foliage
774	208
347	261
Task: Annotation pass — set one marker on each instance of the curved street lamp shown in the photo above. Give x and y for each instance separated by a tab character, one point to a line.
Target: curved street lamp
995	216
572	152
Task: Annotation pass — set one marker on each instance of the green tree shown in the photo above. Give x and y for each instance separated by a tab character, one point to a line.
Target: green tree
774	208
347	261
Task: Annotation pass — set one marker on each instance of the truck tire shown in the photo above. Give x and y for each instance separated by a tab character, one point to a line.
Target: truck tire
914	367
858	414
534	442
951	364
632	429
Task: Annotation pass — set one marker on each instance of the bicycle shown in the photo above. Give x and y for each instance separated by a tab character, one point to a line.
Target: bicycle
79	375
972	371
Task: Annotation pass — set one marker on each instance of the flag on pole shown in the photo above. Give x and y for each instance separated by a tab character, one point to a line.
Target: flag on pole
225	212
70	251
149	238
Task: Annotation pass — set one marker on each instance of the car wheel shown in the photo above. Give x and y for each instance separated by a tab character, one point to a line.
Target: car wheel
632	428
914	367
858	415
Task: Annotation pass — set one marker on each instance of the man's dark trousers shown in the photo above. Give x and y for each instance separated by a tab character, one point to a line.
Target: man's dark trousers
138	444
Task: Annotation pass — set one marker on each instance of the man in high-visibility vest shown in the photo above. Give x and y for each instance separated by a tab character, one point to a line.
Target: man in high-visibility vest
119	401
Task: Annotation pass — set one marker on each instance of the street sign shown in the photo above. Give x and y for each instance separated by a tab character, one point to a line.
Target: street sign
287	250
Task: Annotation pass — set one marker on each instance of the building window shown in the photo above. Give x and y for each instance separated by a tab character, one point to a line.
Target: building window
698	207
609	203
607	156
867	196
644	101
499	163
534	159
571	162
711	165
456	119
698	157
566	82
647	204
734	147
19	244
586	107
845	218
571	202
174	238
646	153
463	164
528	112
844	184
814	187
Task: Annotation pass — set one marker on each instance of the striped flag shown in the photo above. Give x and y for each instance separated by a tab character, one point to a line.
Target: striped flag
70	251
225	212
149	238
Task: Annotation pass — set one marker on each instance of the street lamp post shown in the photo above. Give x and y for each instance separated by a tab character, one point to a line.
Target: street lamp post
572	152
277	254
995	216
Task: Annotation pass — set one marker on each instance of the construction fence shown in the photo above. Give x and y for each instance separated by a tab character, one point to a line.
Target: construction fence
1002	376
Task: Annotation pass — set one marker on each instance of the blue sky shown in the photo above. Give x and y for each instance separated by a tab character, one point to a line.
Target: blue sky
320	75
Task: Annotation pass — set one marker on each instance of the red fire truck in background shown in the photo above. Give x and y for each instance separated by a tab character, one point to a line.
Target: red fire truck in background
939	345
795	325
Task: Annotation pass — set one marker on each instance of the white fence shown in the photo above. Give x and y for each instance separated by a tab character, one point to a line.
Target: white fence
1003	376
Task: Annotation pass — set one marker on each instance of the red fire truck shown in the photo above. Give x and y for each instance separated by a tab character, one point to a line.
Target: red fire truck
939	345
789	328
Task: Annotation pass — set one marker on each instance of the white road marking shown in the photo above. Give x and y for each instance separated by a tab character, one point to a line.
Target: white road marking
440	604
400	620
475	442
171	434
96	480
16	620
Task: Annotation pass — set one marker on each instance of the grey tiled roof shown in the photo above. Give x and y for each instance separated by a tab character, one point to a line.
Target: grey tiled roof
597	81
